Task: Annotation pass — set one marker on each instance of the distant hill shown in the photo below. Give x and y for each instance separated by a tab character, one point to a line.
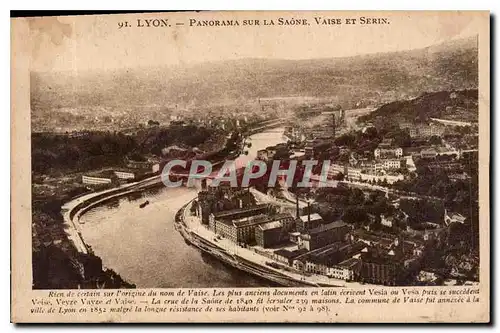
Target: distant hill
453	105
371	78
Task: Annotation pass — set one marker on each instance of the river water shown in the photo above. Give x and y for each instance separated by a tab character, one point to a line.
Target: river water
144	248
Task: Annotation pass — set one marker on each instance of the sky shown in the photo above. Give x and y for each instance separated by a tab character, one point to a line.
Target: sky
96	42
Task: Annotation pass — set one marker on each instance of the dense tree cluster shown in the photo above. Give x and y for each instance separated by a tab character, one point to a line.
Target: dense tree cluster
53	153
351	205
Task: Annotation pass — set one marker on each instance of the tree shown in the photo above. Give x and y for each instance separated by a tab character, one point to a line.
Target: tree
435	140
355	215
340	177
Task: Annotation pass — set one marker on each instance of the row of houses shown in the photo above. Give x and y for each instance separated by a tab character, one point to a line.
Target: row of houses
377	171
365	258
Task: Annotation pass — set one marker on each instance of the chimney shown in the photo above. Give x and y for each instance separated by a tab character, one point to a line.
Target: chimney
334	125
308	213
297	206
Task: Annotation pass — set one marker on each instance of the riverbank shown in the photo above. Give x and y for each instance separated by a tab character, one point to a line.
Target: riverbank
247	259
128	227
204	244
74	209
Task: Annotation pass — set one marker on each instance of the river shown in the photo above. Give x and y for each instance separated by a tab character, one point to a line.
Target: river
144	248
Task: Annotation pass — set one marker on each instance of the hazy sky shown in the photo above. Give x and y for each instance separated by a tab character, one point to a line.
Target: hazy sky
96	42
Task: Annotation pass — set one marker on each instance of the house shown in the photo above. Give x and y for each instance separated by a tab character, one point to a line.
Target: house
89	180
386	149
453	217
387	221
123	174
262	155
392	164
346	270
428	153
422	130
271	151
294	237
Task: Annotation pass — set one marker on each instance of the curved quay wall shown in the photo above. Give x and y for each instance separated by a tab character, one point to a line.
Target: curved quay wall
74	209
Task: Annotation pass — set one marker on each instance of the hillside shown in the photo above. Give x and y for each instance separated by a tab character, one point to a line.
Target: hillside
453	105
372	79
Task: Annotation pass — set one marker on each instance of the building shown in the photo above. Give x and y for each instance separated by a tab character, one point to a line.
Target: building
390	179
388	152
453	217
275	232
353	174
424	131
294	237
410	164
269	234
335	169
286	256
271	151
309	221
89	180
233	214
330	260
386	149
347	270
262	155
319	260
385	242
206	206
242	230
428	153
309	148
380	269
392	164
124	174
387	221
350	173
323	235
133	164
100	178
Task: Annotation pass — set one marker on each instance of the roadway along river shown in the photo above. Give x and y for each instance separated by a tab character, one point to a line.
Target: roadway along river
144	248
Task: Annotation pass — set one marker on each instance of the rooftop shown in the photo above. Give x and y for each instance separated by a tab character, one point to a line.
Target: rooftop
290	254
329	226
349	263
229	213
380	259
271	225
314	217
456	216
259	219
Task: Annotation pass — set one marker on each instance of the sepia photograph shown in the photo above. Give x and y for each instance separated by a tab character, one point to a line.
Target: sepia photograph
259	150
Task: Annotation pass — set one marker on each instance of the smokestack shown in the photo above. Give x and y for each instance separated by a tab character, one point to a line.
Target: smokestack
308	213
297	206
333	123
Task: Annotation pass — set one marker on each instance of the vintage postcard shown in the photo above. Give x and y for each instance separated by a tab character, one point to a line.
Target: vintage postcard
251	167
